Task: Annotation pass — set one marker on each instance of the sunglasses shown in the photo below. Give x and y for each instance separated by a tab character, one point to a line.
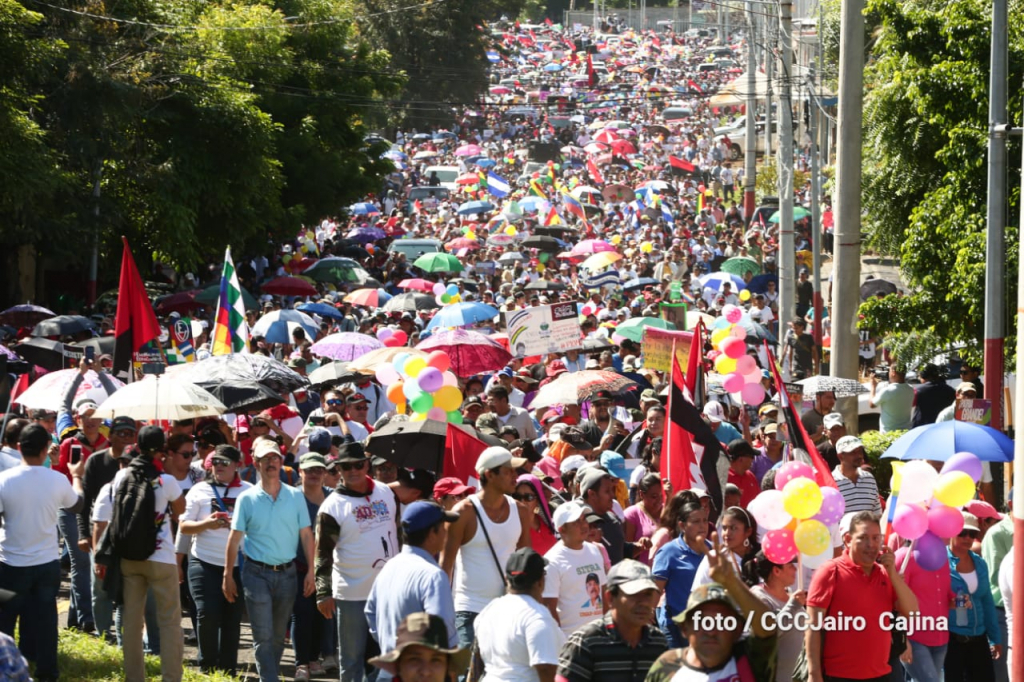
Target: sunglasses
333	402
220	462
361	407
352	466
124	433
260	424
525	497
187	453
972	534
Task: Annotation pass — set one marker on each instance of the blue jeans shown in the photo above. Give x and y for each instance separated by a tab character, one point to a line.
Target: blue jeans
102	605
269	598
309	627
928	661
35	605
218	621
80	611
353	634
464	621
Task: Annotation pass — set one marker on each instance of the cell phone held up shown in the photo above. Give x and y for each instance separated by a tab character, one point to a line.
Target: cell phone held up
76	454
90	355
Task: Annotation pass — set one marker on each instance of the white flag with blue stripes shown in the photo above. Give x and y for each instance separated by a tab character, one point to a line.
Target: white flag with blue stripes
497	185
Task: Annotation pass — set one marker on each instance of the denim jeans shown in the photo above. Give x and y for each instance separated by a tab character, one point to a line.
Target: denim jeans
80	611
35	605
218	621
928	662
102	605
353	634
308	627
464	625
269	598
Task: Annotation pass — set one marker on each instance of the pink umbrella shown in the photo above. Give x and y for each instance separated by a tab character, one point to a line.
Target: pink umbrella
470	352
592	246
469	150
417	284
462	243
606	136
345	346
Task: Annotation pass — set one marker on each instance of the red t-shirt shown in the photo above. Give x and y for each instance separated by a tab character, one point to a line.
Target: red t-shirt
748	485
87	449
841	588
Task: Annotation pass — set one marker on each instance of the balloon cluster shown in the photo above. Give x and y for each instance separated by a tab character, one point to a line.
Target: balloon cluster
797	515
392	338
446	294
425	385
929	502
742	375
468	232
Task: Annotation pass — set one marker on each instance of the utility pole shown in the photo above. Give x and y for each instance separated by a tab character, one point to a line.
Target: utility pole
995	244
750	155
846	254
1017	673
813	133
784	170
769	71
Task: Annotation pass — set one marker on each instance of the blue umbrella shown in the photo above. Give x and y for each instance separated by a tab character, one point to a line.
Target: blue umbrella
534	204
321	309
553	66
471	207
759	283
486	163
364	208
277	327
716	279
462	314
942	440
395	155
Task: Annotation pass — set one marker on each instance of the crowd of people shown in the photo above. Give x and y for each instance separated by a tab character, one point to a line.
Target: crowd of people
566	555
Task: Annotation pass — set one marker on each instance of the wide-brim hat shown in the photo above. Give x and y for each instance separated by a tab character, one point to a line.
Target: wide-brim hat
422	629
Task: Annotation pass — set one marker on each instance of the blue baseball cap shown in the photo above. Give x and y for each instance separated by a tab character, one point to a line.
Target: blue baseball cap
423	514
320	440
614	463
506	372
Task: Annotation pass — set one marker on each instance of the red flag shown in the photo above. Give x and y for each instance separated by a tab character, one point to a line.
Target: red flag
417	207
591	74
694	85
547	20
532	36
594	172
797	433
20	386
461	451
135	324
681	164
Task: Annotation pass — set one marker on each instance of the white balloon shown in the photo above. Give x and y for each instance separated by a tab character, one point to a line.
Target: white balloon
918	481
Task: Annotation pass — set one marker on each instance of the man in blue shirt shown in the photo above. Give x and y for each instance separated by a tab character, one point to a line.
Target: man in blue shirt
273	519
413	581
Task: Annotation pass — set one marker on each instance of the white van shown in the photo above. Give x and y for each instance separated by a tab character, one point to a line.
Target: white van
446	174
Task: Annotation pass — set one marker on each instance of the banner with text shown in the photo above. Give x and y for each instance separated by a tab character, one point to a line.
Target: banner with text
658	348
973	410
544	329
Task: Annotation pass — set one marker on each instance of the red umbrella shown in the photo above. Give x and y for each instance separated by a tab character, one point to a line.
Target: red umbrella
468	179
607	136
470	352
623	147
182	302
289	286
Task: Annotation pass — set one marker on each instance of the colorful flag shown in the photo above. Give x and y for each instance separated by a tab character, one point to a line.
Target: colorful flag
694	85
553	218
595	174
461	451
230	332
572	205
180	349
536	189
135	325
497	185
681	165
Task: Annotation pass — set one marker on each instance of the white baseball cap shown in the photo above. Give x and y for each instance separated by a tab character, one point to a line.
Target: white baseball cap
568	512
497	456
713	411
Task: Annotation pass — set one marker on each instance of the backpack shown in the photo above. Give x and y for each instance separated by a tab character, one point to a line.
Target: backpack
133	530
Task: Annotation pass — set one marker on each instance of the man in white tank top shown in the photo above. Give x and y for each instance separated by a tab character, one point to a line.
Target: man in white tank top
489	514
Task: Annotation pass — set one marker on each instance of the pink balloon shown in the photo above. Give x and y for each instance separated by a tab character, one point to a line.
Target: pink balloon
753	377
450	379
945	522
734	315
910	521
401	336
437	414
733	383
438	288
753	394
728	309
393	341
779	546
439	360
383	334
833	506
733	348
587	310
738	332
746	365
792	470
386	375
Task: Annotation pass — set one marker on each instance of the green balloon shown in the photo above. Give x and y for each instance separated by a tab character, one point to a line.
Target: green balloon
558	166
544	256
455	417
422	403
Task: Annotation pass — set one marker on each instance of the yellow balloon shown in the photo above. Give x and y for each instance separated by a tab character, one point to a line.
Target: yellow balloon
724	364
541	267
418	417
802	498
472	235
511	231
744	295
310	234
448	398
400	408
718	336
812	537
954	488
646	247
414	367
616	239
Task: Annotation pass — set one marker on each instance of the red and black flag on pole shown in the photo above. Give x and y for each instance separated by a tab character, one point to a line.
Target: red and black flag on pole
135	325
681	166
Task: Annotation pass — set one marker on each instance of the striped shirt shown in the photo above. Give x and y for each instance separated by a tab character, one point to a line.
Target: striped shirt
859	496
597	652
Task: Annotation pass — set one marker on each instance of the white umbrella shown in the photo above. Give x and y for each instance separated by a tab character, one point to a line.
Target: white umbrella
46	392
160	398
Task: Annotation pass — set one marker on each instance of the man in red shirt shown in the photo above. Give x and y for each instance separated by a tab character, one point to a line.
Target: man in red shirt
741	458
846	603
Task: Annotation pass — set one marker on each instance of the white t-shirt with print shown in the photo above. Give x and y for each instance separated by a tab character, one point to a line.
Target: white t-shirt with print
166	490
570	578
200	502
367	539
30	497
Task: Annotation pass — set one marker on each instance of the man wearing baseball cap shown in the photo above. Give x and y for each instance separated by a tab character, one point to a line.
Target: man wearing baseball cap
575	574
490	527
859	489
413	581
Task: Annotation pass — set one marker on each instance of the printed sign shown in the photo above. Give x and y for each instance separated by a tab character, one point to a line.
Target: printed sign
975	411
544	329
658	348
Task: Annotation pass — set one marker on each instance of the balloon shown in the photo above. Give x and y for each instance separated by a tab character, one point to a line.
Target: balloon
438	289
733	383
779	546
753	377
802	498
746	364
421	403
945	522
510	231
753	394
393	342
400	407
738	332
450	379
734	348
541	267
396	392
383	334
437	414
411	389
399	362
722	323
791	471
401	337
286	258
454	417
930	553
918	481
470	234
725	364
587	310
814	562
430	379
734	315
386	375
452	289
445	299
448	398
896	480
965	462
543	257
744	295
646	247
833	506
440	298
769	510
414	366
718	336
955	489
439	360
910	520
616	239
418	417
812	537
826	341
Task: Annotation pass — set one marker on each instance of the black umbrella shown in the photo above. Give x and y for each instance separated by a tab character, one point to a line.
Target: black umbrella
242	381
103	345
467	284
597	345
355	251
544	285
63	325
334	373
411	302
560	231
411	445
542	243
49	354
640	283
876	287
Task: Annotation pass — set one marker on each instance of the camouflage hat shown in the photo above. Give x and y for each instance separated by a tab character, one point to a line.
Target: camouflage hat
706	594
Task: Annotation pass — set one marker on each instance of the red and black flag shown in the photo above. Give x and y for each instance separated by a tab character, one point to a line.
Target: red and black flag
135	325
681	166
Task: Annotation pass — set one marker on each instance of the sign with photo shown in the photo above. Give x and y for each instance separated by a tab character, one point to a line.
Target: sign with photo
539	330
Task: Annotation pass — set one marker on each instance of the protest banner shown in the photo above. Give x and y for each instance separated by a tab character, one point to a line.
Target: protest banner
544	329
973	410
657	345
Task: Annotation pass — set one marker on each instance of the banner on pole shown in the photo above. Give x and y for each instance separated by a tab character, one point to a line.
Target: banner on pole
544	329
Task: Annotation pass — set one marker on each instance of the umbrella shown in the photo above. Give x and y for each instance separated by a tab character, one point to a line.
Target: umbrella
365	235
759	283
46	392
486	163
411	445
597	345
799	213
510	257
607	137
289	286
500	240
588	246
370	298
47	353
411	302
639	283
470	352
576	387
426	154
462	243
555	231
333	373
471	207
25	315
583	192
633	328
693	318
240	380
534	204
63	325
740	265
468	179
544	285
345	346
716	279
369	363
622	147
211	294
469	150
321	309
438	262
333	269
363	208
617	193
355	251
876	287
601	260
103	345
658	129
542	243
277	326
462	314
158	397
942	440
183	302
843	388
417	284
